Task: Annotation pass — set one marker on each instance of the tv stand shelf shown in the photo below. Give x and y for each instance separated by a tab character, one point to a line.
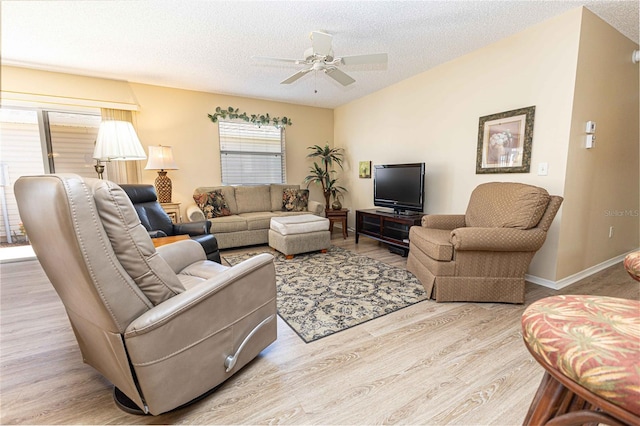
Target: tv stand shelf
388	227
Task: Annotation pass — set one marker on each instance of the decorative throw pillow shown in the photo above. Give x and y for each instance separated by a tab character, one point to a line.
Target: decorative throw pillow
295	200
212	204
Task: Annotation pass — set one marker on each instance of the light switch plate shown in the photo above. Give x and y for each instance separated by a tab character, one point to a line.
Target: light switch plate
543	169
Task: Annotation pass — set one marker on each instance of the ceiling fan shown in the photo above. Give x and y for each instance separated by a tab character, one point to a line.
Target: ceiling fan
320	57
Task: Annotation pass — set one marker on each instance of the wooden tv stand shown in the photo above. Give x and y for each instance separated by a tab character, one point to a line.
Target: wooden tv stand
388	227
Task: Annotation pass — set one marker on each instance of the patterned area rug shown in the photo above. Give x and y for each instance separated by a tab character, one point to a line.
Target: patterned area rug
321	294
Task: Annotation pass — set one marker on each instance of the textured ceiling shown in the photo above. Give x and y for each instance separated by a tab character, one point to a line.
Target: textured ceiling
208	45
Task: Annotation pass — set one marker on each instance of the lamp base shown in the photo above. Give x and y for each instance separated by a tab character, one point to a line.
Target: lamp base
163	187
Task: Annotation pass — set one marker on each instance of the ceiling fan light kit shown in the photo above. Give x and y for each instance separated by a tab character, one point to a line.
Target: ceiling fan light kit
320	57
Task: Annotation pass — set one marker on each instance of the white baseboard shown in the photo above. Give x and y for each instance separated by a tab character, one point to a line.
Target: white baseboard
557	285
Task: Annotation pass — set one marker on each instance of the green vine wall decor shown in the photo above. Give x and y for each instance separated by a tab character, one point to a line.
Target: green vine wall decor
259	120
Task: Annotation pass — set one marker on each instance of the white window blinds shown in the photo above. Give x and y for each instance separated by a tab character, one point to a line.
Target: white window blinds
20	154
251	155
73	137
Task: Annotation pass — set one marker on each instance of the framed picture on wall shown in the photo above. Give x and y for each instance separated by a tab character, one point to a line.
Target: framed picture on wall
364	169
504	142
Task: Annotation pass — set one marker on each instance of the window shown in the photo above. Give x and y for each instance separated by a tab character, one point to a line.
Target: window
72	139
34	142
251	155
21	154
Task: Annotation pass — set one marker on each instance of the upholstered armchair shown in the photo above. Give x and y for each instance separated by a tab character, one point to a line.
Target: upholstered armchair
483	255
159	224
165	325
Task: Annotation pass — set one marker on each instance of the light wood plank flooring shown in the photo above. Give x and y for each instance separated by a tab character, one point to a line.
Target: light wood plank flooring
451	363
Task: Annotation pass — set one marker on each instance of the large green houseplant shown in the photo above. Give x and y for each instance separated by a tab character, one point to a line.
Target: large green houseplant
322	173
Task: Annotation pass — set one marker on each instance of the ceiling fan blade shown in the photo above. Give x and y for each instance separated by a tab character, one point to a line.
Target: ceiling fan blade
374	58
295	76
267	58
339	76
321	43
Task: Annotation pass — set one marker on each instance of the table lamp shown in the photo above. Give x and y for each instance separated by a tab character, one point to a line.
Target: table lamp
161	159
116	141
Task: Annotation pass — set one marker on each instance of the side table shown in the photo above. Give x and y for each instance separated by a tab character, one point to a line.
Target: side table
173	210
160	241
338	216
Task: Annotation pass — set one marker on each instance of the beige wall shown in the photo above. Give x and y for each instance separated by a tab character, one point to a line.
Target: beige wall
178	118
433	117
602	183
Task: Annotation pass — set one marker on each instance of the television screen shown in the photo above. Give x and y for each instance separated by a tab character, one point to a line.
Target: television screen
399	186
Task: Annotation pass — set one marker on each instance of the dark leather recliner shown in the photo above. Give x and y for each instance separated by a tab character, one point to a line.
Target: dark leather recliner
159	224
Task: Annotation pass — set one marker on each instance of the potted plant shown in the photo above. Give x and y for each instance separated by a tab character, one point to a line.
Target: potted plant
337	195
321	173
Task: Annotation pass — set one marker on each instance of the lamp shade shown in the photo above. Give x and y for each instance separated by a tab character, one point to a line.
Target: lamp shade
161	158
117	140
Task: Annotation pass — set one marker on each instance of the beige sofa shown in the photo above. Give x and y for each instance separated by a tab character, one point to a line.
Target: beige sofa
251	209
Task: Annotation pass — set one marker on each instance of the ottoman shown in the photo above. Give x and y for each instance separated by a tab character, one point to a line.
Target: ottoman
299	234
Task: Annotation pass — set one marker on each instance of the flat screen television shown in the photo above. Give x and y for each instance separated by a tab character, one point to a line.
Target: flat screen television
399	186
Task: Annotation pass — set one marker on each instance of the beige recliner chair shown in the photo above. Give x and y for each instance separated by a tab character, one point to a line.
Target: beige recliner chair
164	326
483	255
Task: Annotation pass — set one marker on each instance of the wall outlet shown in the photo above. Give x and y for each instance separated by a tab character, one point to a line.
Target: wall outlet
611	232
590	141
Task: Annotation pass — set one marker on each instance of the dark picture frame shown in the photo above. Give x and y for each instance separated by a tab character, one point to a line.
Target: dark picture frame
504	141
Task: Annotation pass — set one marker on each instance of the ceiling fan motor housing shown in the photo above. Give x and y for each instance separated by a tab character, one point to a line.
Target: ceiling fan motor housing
312	57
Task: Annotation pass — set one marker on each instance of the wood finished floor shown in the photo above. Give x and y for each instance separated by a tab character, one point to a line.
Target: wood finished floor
452	363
